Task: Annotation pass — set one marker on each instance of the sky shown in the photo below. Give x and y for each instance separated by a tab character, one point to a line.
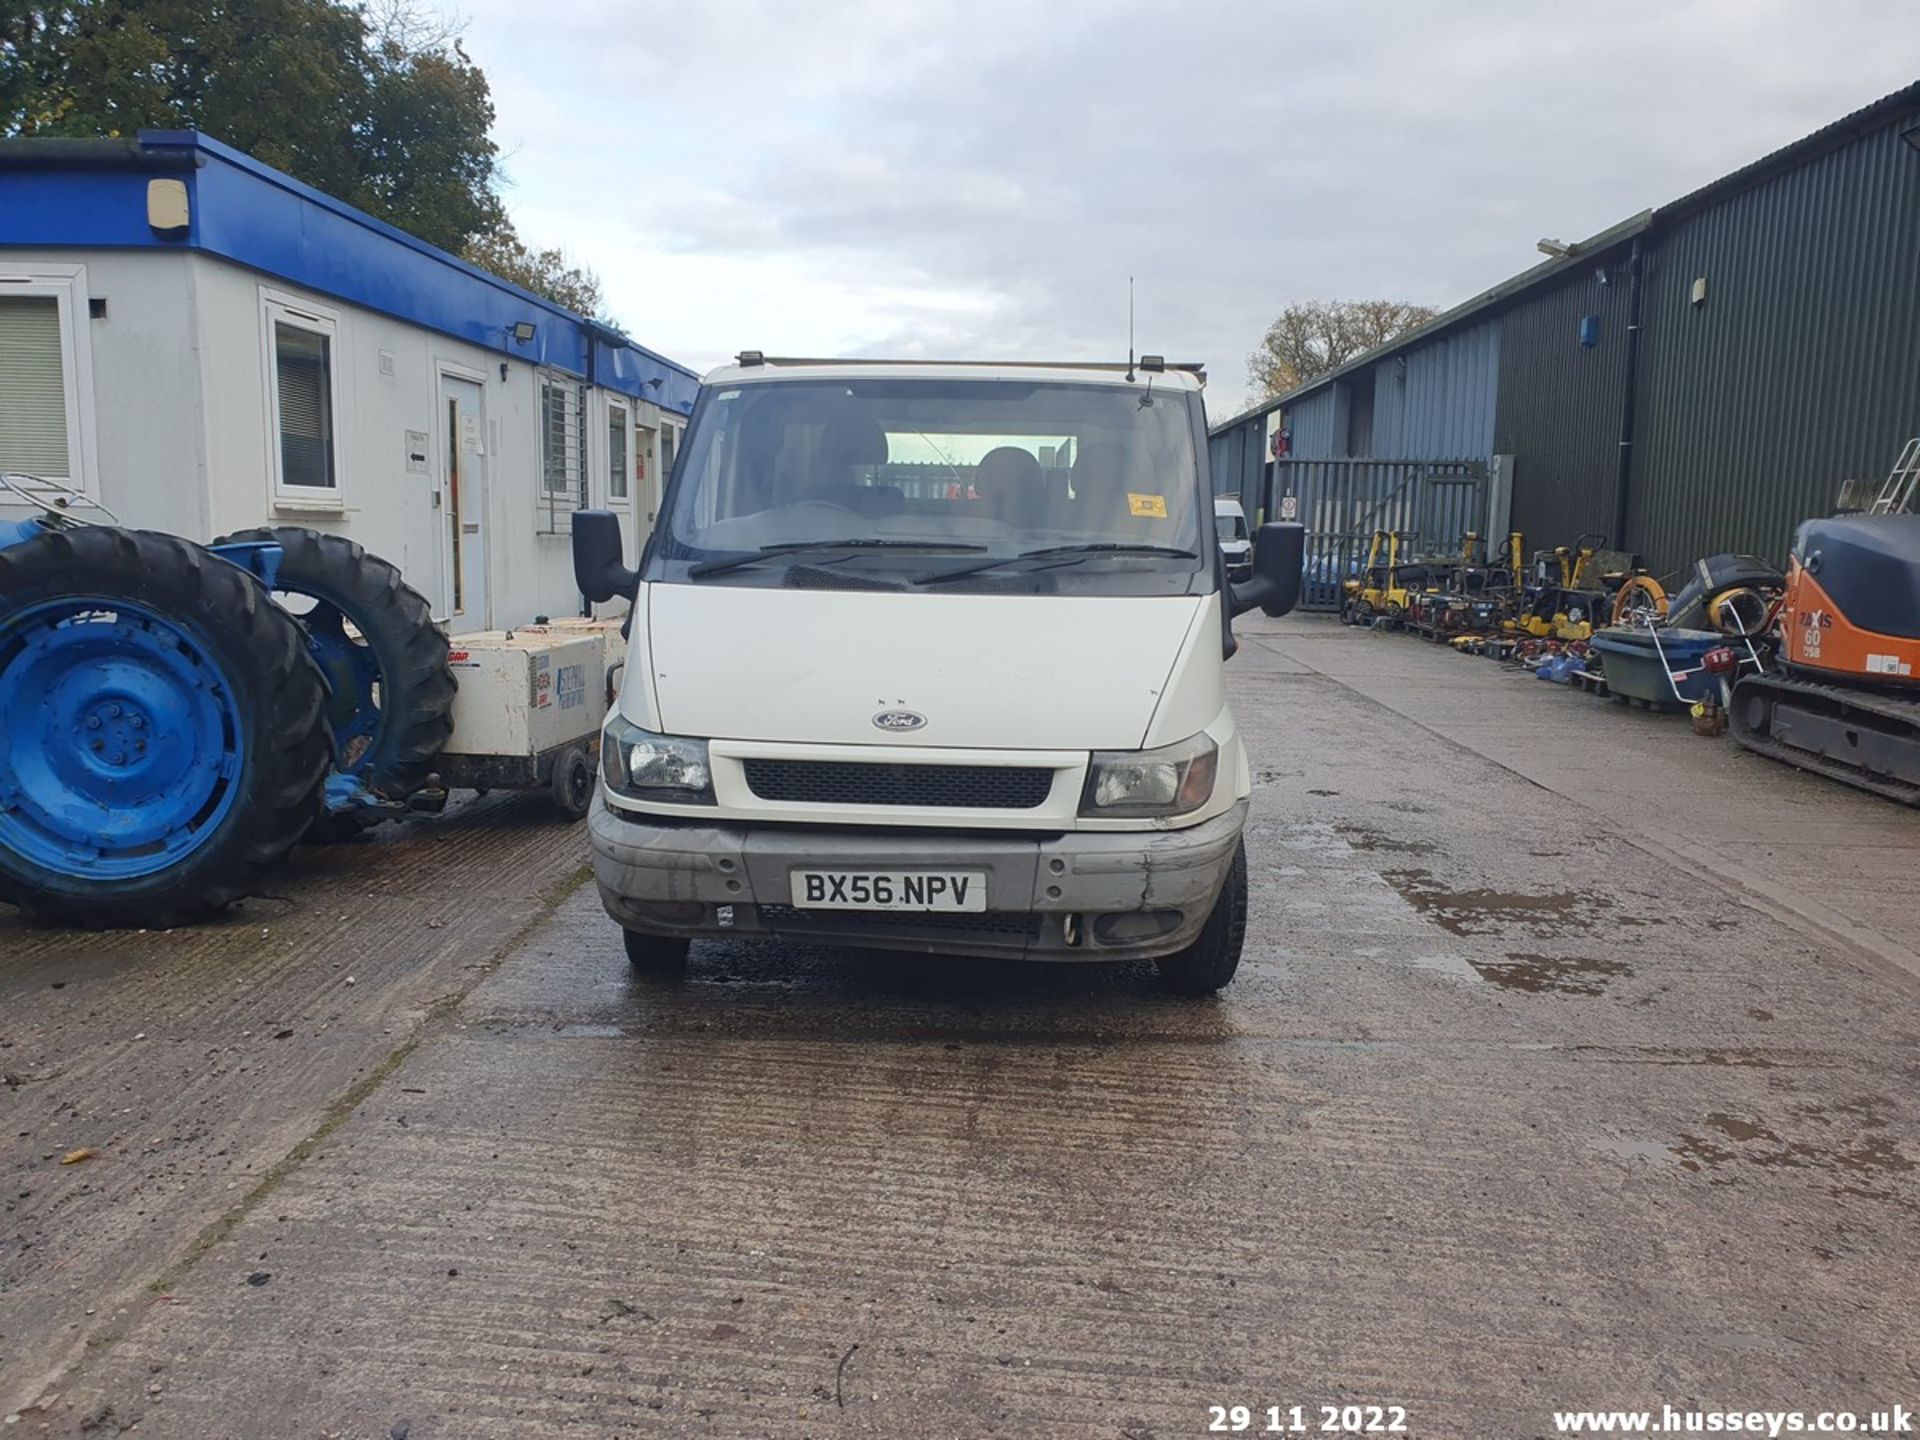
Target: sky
979	179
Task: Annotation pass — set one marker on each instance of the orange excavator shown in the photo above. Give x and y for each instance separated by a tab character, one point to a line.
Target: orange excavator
1845	700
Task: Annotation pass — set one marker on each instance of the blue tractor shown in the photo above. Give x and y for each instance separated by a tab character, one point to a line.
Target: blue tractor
170	729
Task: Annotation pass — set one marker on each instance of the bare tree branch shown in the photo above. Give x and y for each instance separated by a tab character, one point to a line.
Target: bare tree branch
1315	336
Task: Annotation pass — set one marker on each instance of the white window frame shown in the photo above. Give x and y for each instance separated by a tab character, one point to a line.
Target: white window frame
555	509
677	424
277	307
445	369
617	405
67	284
646	445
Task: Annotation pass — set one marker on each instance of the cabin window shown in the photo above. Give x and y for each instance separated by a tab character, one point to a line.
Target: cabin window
33	422
563	451
45	375
619	475
302	401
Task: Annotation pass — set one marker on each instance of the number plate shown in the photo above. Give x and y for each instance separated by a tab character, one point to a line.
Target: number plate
941	890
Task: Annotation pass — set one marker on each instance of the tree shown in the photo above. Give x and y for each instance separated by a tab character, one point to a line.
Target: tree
375	103
545	272
1316	336
378	108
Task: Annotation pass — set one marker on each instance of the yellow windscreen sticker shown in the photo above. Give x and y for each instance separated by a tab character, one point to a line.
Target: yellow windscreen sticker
1150	507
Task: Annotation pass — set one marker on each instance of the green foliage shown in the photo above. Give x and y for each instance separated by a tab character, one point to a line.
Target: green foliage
545	272
372	107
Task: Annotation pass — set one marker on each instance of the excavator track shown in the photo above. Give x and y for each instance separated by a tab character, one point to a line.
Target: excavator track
1866	739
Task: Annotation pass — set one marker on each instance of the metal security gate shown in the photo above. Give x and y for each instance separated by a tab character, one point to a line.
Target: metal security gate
1342	502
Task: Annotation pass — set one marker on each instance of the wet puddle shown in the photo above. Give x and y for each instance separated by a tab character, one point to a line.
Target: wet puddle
1622	1148
1753	1143
1365	837
1532	974
1551	974
1451	966
1482	912
1837	1141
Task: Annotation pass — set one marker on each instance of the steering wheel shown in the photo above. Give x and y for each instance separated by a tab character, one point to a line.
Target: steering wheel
57	500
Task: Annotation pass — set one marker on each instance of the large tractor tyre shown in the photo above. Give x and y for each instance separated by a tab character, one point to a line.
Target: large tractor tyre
375	640
164	724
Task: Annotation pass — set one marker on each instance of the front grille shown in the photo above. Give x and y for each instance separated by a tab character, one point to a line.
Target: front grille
986	922
859	782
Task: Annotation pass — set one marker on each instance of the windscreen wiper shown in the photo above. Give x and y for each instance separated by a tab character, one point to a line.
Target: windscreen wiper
794	547
1109	547
1078	554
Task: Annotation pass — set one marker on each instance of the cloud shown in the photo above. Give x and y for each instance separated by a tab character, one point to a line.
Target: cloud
981	178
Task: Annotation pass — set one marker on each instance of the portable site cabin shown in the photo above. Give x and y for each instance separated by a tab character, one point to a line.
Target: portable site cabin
205	344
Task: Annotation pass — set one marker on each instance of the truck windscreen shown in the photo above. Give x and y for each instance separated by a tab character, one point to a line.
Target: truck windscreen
934	481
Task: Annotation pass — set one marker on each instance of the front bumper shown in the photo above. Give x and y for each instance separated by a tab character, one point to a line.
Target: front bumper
1081	895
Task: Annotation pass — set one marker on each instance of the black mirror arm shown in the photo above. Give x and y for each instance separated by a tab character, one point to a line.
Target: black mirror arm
1252	594
618	582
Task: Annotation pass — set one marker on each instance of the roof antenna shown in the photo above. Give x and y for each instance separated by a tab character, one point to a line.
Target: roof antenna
1130	330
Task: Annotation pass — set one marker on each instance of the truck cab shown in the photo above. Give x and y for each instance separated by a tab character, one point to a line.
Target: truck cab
928	657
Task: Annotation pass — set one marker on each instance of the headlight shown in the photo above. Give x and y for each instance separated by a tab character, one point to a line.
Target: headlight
645	766
1172	780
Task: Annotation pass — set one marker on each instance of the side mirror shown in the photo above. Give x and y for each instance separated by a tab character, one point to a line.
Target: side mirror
599	567
1279	557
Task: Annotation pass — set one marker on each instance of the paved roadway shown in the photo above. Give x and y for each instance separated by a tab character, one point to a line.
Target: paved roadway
1556	1076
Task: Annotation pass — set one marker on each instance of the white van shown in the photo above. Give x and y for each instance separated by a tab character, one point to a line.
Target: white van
928	657
1236	544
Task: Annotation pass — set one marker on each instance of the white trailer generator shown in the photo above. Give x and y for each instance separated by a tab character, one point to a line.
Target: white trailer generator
528	710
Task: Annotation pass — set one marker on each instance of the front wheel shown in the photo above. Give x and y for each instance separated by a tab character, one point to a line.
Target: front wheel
1210	961
655	953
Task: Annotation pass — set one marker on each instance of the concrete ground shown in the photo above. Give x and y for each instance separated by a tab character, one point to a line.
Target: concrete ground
1572	1063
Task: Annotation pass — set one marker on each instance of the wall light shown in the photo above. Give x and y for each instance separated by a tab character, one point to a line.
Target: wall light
522	331
1912	136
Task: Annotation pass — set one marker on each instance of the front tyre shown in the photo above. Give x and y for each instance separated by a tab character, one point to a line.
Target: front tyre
655	954
1210	961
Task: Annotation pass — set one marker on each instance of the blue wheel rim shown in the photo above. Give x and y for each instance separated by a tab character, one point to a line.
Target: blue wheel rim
126	744
353	682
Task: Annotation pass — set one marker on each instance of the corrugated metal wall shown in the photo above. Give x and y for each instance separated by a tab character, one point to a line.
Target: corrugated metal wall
1316	422
1237	461
1800	370
1560	403
1439	405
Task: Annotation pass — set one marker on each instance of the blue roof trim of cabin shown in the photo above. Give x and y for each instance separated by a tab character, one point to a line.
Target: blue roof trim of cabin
92	193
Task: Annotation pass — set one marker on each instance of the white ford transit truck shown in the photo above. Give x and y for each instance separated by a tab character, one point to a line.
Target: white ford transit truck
928	657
